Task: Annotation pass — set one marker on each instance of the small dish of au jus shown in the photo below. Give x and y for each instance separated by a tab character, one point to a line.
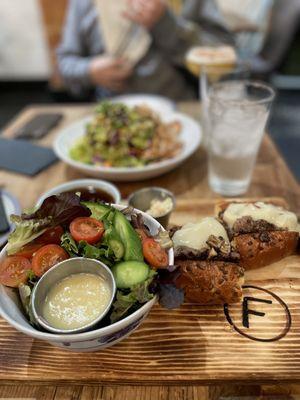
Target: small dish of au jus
90	193
89	189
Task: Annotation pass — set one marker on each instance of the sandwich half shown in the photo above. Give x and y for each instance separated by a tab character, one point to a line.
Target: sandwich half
209	270
261	233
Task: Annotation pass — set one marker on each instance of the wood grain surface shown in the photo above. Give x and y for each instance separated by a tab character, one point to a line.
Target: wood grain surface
190	345
35	362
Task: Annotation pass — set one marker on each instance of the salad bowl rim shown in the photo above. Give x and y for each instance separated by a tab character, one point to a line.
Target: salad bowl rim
95	333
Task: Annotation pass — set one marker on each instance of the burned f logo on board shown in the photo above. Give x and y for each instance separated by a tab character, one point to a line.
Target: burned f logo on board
262	316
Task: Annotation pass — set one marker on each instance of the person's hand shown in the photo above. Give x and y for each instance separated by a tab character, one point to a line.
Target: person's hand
109	72
145	12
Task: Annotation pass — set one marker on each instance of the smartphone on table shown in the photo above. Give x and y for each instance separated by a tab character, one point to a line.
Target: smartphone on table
38	126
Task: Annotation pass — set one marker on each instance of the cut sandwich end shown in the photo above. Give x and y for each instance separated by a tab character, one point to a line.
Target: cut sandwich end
260	249
210	282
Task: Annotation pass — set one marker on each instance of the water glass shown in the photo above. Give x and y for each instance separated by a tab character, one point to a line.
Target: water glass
237	115
211	74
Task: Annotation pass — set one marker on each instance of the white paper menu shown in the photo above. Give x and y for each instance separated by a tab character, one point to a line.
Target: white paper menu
114	27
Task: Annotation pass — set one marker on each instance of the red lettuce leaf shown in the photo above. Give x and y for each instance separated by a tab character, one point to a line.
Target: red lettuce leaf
61	208
164	284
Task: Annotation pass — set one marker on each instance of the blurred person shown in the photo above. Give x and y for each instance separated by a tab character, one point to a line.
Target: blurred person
264	31
249	23
282	30
157	62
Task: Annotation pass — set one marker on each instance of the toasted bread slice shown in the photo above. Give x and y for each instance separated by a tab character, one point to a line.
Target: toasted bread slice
259	242
210	282
260	249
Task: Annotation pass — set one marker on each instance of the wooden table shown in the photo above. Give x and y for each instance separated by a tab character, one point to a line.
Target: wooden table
271	178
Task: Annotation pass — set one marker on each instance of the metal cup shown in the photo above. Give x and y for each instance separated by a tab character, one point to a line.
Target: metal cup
141	199
61	271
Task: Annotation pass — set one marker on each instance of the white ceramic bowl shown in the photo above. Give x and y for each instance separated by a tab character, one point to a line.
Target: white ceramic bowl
11	311
190	136
81	183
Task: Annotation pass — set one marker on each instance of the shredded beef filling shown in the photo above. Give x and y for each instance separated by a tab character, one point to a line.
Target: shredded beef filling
247	225
216	249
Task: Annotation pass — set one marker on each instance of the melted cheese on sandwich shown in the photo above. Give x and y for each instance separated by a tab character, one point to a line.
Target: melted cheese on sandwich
273	214
195	235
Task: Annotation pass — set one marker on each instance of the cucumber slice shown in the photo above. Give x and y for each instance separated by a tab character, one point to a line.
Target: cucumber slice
99	211
129	238
130	273
117	247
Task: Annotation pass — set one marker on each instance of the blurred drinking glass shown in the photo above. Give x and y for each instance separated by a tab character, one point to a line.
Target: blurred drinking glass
210	75
223	57
211	65
238	113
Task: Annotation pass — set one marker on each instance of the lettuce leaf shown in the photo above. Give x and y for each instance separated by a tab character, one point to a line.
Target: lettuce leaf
170	296
103	254
25	232
61	208
164	284
55	210
127	302
69	244
25	292
83	249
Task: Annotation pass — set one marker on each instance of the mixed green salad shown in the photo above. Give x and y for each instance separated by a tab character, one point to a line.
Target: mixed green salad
64	227
120	136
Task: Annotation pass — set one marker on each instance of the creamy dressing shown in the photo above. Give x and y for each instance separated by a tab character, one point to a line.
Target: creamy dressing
195	235
76	301
259	210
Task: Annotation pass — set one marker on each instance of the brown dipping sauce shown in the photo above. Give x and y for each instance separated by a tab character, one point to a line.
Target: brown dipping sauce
92	194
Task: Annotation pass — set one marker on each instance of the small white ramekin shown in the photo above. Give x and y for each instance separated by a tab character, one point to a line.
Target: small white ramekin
82	183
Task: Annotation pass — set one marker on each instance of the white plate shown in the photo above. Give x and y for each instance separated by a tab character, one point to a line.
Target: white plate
157	103
190	136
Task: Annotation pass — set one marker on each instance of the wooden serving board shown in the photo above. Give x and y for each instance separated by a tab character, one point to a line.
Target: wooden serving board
191	345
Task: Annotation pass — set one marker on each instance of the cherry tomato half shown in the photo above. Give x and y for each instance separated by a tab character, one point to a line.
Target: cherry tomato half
154	254
86	228
46	257
14	270
28	250
50	236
